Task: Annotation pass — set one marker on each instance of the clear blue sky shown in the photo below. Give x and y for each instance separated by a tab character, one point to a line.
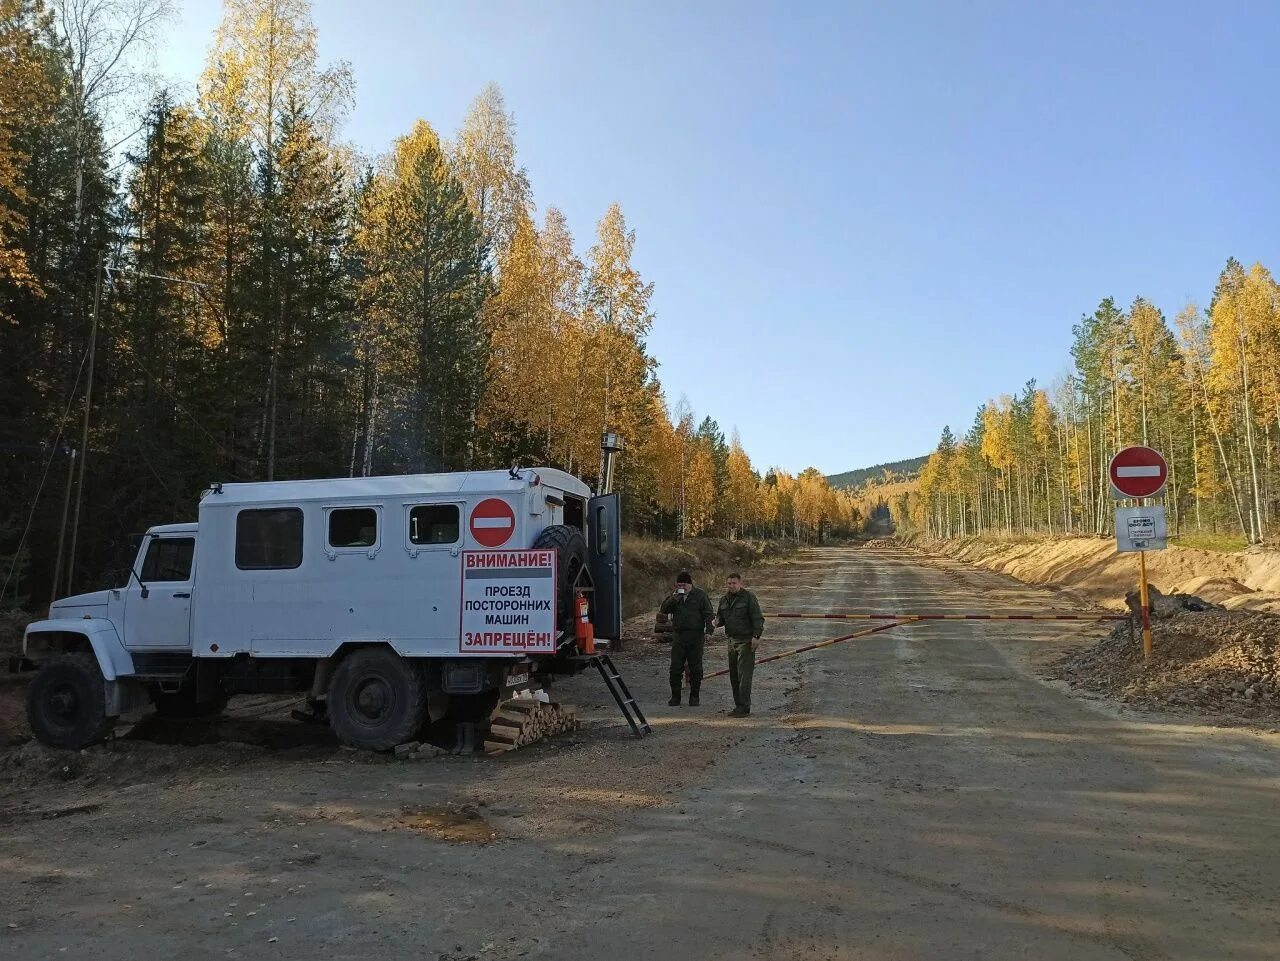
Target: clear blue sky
862	219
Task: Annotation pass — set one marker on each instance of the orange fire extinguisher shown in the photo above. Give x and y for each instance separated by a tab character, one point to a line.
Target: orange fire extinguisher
583	631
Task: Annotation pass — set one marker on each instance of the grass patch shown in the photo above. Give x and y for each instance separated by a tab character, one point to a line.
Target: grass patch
1208	541
650	566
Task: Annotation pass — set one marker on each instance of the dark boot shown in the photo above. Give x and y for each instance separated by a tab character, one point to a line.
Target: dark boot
675	698
694	701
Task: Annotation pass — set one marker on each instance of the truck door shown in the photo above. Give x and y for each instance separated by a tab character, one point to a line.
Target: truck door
157	613
604	557
436	534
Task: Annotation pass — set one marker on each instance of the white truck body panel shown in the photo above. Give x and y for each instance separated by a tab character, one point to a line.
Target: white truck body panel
395	590
398	584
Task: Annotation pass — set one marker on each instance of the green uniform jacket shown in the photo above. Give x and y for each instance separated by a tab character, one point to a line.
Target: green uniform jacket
740	614
691	615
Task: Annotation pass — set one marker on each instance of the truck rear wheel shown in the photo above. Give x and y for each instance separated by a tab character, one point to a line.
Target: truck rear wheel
571	555
67	703
377	699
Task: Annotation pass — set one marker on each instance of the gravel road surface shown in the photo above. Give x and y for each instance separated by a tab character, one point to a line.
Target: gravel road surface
918	794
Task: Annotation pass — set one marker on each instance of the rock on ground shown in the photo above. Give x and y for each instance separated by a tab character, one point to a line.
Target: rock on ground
1218	662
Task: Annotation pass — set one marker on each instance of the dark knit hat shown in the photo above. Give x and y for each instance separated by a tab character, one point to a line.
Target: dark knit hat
684	577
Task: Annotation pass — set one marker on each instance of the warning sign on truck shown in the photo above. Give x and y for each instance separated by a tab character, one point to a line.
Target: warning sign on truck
508	602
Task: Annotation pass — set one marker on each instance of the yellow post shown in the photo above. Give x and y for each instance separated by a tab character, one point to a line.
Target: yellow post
1146	606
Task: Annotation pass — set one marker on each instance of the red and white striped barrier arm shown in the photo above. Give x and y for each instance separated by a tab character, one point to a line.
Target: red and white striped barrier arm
950	617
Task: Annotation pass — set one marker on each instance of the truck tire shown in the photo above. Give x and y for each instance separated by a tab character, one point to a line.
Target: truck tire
377	699
67	703
571	558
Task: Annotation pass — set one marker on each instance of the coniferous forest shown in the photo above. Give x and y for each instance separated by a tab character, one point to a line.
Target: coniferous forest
1203	389
241	294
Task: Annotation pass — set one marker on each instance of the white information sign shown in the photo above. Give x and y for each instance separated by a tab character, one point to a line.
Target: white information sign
1141	529
508	602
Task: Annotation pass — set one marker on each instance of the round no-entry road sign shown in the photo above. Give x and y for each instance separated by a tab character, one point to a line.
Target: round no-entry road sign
492	522
1138	472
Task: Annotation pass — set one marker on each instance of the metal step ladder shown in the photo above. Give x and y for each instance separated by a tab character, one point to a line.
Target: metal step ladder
621	694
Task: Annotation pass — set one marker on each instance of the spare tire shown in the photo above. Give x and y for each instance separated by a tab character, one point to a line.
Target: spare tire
571	560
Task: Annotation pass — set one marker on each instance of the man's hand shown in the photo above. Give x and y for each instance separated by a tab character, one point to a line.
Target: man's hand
755	644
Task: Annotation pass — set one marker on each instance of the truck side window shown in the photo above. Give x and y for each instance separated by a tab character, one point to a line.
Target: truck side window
575	512
269	539
353	527
168	559
434	524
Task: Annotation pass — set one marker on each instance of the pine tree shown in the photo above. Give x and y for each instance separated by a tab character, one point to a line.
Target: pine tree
425	281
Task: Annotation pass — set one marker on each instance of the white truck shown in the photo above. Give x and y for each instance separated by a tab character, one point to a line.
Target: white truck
395	603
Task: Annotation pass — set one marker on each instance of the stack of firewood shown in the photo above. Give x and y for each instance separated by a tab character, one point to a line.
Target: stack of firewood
522	721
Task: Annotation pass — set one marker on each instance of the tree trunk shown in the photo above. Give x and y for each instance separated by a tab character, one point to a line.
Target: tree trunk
1255	519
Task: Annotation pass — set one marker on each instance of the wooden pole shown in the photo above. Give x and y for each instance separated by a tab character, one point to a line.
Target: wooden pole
1145	596
84	433
62	528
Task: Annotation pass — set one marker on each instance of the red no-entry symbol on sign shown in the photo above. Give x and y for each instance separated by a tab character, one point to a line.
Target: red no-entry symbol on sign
492	522
1138	472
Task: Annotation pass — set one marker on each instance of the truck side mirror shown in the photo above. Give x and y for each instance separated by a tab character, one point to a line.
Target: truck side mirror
145	592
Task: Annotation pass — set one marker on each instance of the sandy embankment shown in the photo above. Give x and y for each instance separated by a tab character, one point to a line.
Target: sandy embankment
1090	568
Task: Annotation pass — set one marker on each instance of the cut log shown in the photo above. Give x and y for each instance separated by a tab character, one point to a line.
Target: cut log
521	721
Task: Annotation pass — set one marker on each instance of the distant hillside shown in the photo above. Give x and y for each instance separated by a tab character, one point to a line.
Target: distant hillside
901	470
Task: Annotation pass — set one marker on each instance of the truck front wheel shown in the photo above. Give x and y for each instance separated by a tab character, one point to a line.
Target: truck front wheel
67	703
377	699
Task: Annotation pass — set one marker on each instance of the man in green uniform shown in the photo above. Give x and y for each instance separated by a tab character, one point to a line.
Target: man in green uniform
690	614
739	614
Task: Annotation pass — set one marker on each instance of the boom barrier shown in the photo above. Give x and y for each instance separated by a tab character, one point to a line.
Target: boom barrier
898	620
952	617
813	647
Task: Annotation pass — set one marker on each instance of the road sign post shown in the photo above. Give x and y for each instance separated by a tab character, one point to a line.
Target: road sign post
1139	473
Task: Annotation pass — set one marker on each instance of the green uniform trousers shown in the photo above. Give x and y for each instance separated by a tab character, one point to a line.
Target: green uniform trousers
686	649
742	667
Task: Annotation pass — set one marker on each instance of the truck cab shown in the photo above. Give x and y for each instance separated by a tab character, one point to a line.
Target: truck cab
284	586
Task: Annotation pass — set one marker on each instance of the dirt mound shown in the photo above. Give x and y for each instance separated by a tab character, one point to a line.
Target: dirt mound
13	710
12	624
1091	568
1215	588
1262	602
114	763
1214	661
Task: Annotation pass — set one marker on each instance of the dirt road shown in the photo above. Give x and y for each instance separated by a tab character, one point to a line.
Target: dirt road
916	795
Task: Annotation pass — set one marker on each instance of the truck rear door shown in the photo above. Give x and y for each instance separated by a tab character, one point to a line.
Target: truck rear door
604	557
